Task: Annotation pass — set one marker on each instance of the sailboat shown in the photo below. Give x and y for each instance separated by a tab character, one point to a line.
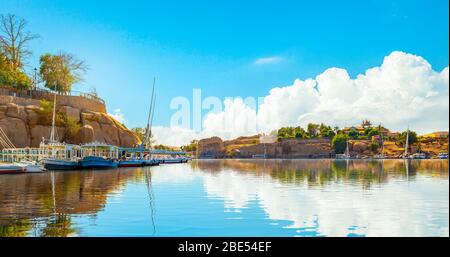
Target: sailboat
382	155
148	160
346	154
405	154
58	159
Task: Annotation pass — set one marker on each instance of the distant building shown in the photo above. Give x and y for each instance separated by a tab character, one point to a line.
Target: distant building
367	124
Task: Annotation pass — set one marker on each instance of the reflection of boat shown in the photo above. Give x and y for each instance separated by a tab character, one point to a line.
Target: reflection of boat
11	169
98	162
60	164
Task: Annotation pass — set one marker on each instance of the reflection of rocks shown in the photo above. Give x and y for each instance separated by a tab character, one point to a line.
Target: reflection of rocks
30	196
283	190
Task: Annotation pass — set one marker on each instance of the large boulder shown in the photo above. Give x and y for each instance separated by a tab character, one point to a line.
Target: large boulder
211	148
84	135
110	134
128	138
71	112
16	130
359	146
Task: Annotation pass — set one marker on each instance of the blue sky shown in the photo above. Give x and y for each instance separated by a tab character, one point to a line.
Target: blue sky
213	45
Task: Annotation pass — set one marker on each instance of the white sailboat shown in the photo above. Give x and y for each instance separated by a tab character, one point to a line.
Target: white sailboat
346	154
405	154
57	156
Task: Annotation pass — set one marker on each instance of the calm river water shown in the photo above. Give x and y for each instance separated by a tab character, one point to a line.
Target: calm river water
232	198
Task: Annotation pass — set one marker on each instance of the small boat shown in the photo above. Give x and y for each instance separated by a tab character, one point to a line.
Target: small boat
98	162
175	160
418	156
59	164
131	163
31	167
442	156
11	169
150	162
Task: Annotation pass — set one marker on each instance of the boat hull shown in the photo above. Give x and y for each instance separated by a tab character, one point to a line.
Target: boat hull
98	163
61	165
11	170
131	163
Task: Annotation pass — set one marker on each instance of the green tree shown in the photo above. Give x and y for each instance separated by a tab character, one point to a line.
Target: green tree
11	76
59	72
339	143
412	137
353	133
373	146
313	130
326	131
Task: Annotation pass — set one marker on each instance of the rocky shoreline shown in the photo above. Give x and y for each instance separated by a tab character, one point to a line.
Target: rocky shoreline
20	120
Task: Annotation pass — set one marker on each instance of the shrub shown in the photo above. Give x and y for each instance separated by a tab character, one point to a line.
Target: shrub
339	143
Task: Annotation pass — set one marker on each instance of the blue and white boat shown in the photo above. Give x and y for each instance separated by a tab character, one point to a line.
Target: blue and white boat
59	164
131	163
98	162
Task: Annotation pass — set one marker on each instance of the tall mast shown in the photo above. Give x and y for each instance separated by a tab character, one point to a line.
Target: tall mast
407	143
52	132
147	129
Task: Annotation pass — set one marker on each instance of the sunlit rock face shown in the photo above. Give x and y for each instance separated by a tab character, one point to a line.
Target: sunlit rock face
20	120
211	148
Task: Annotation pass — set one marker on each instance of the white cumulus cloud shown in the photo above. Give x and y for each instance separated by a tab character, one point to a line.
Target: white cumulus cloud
118	115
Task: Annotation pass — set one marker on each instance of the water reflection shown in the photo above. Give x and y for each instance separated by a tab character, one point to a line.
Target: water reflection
233	197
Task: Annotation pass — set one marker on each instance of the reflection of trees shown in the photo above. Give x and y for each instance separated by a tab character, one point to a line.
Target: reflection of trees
15	228
31	196
58	226
323	172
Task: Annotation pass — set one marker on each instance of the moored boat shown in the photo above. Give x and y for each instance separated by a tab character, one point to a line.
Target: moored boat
442	156
418	156
151	162
31	167
98	162
11	169
59	164
131	163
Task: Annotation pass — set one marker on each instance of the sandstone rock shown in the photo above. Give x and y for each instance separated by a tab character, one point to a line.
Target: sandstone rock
87	116
211	147
105	119
84	135
128	139
110	134
39	132
97	130
359	147
16	130
71	112
16	111
32	117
